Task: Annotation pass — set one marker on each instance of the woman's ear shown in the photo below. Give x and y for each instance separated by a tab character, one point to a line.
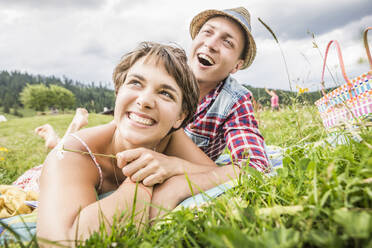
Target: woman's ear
178	123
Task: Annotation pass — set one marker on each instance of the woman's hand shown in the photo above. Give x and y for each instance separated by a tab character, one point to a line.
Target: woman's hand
150	167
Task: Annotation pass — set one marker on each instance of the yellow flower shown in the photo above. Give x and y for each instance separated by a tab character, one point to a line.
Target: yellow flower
301	90
3	149
1	158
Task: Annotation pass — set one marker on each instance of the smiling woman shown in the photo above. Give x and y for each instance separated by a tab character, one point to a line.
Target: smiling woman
156	94
148	104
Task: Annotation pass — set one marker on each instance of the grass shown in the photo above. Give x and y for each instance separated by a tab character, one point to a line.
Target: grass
22	112
25	149
322	197
294	124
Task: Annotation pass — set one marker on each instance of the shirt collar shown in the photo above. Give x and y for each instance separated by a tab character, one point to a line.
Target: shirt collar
211	96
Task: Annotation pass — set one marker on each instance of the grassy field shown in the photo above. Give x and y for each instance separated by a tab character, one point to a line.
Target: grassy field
25	148
322	197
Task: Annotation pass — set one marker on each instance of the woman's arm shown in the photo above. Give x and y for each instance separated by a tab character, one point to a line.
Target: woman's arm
68	209
269	92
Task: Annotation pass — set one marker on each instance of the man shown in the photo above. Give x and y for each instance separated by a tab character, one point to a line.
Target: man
222	45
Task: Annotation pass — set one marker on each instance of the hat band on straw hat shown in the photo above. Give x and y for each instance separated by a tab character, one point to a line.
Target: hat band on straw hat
239	17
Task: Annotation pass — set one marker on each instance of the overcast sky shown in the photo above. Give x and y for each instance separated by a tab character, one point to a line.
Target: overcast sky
84	39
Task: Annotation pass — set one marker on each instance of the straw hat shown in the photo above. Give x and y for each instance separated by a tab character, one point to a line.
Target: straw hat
241	16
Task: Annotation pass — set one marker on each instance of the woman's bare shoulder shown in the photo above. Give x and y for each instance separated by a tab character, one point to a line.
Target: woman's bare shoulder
94	137
67	161
71	156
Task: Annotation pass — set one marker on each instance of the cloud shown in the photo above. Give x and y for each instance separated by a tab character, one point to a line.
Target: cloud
94	48
51	4
84	40
305	62
292	19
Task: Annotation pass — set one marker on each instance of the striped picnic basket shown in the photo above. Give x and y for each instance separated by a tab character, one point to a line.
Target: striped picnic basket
351	101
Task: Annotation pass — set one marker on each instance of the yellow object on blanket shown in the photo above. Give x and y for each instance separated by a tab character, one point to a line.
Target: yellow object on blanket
12	201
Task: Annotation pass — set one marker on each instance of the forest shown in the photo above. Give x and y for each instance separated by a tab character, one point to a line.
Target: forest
96	96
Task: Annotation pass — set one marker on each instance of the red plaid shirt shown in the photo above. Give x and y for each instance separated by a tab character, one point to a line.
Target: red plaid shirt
225	116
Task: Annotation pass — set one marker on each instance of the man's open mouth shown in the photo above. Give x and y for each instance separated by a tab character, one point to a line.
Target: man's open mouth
205	59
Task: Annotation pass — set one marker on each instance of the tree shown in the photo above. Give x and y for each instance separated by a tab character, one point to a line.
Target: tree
61	98
7	101
35	96
6	108
39	97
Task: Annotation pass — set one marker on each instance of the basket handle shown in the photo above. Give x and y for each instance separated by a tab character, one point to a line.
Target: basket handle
367	47
341	65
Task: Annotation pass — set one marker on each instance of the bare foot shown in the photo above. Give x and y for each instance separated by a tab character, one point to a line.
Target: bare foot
48	134
80	120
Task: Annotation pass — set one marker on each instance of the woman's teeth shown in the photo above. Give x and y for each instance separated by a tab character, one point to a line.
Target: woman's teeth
141	120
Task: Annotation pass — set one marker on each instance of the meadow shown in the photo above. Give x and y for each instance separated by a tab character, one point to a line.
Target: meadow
322	197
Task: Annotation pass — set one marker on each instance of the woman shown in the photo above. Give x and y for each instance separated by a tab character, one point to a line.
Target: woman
156	93
274	99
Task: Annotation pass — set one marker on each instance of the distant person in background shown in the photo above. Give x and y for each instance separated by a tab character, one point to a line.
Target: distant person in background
274	99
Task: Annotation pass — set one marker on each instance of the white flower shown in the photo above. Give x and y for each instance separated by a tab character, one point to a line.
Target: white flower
59	150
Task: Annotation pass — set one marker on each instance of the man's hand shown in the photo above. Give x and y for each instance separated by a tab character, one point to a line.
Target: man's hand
150	167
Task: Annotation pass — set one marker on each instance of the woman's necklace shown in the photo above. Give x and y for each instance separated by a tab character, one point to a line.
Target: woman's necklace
114	167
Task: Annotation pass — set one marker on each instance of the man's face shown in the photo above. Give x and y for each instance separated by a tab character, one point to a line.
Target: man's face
216	49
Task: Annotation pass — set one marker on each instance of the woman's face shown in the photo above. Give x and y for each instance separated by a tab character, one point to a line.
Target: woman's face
148	105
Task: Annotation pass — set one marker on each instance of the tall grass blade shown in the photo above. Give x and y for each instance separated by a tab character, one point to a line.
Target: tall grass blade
281	50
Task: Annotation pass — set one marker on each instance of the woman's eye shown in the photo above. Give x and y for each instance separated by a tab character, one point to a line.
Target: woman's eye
134	83
167	94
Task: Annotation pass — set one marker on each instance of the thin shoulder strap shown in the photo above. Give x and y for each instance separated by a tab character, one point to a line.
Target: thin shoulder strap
93	158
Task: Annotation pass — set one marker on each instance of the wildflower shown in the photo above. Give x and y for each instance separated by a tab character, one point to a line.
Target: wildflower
1	158
301	90
60	151
3	149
